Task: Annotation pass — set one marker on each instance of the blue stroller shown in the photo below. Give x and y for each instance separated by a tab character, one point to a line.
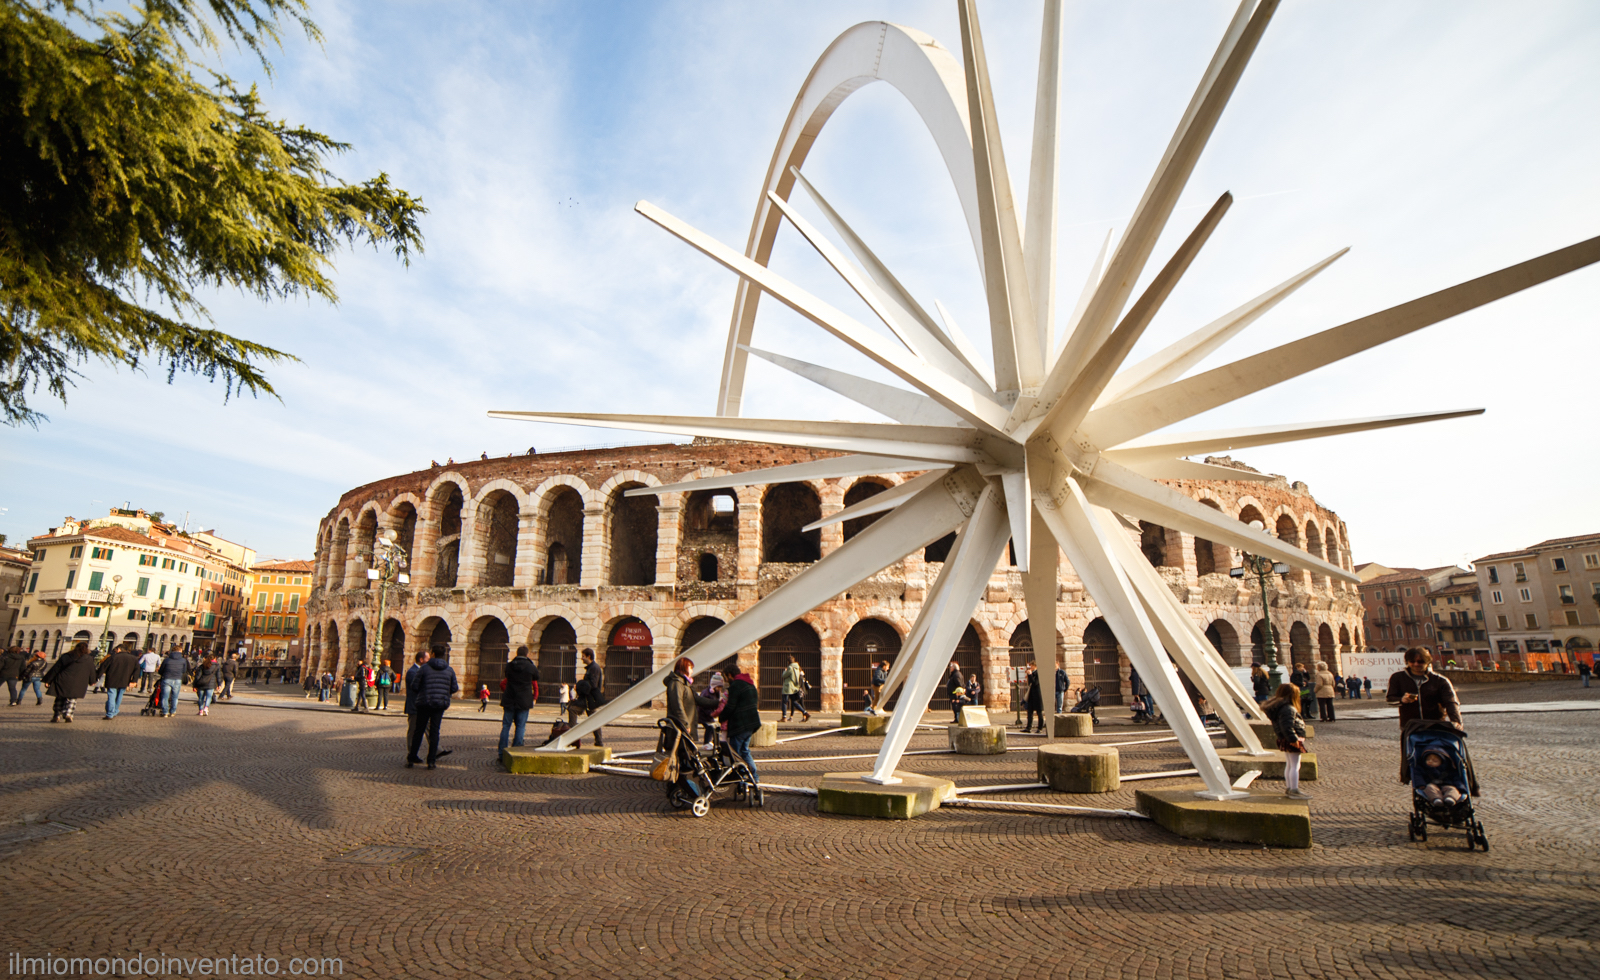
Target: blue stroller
1443	785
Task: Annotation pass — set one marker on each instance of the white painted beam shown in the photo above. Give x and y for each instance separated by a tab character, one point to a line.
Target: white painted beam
1226	440
887	400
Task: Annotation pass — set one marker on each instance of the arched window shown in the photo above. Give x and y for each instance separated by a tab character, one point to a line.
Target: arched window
633	537
785	511
1153	543
859	491
497	538
448	561
563	537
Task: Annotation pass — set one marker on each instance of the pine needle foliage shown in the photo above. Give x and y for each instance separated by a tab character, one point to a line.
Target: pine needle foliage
132	176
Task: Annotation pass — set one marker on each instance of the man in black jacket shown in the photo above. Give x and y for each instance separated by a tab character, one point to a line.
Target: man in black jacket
522	683
11	672
119	671
593	694
230	670
1061	688
437	684
1033	700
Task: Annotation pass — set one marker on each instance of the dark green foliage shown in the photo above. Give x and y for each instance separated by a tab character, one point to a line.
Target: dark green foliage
127	183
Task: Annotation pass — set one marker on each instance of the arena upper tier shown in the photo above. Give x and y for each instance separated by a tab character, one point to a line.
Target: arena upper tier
546	550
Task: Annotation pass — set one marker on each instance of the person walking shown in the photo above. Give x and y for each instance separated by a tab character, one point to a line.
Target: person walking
229	670
118	671
11	672
439	685
880	677
31	675
206	680
68	680
1583	672
327	686
1061	687
364	681
683	706
1260	683
310	685
1282	709
174	670
743	718
413	685
385	684
521	691
794	686
1324	682
1421	693
1366	686
149	663
590	694
483	698
1033	700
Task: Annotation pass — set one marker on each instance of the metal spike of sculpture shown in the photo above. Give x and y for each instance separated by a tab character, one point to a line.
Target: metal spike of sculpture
1047	450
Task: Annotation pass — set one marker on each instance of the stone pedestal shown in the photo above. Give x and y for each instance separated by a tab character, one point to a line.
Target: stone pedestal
985	740
765	736
1073	726
1263	730
1237	763
1263	818
849	794
1080	768
525	761
865	724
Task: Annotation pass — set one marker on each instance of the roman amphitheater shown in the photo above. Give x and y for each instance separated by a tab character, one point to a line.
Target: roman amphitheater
546	550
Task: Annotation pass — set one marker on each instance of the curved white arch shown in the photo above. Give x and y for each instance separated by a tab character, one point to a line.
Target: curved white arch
932	80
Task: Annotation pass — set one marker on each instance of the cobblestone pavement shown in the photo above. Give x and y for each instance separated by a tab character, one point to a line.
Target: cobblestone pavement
224	835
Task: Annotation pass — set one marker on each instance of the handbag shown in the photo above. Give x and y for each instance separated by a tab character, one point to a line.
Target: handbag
666	767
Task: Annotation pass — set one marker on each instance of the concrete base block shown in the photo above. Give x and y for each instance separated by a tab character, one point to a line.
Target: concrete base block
1271	765
1264	818
1080	768
1263	730
765	736
849	794
525	761
987	740
1073	726
866	724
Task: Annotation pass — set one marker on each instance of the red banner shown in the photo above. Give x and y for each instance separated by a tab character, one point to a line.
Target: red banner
631	634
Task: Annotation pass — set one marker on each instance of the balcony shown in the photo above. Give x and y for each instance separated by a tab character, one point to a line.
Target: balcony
14	598
1522	577
1568	600
70	597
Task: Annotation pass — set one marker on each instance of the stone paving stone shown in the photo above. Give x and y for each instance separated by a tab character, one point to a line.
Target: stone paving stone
221	836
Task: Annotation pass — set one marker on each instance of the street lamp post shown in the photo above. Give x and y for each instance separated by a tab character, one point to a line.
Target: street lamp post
389	563
1259	566
112	598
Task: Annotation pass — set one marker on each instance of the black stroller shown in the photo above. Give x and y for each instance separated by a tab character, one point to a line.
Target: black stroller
1443	784
152	706
1088	700
699	776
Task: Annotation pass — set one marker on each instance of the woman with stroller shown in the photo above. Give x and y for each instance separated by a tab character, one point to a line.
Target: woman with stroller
1283	710
683	704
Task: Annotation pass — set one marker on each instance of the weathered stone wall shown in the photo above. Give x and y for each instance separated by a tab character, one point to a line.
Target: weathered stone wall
567	504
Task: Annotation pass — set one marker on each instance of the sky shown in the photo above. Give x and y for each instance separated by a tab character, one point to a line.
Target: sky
1440	141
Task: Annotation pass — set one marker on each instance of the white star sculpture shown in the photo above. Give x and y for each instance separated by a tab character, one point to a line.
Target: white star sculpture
1048	450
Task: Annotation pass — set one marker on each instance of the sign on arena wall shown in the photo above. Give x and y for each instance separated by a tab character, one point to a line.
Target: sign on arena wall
1374	663
631	634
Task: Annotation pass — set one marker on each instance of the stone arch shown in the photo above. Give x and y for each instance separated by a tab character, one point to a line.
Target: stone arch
355	650
868	641
497	520
330	652
393	645
863	489
632	529
488	648
1300	651
1287	529
1258	642
433	629
1102	661
339	552
557	657
1225	640
1211	558
447	501
402	516
798	639
1344	639
696	630
1327	648
625	664
560	508
1249	512
786	508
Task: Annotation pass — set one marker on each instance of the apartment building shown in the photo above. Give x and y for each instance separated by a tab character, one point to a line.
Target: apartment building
1542	603
1457	610
275	627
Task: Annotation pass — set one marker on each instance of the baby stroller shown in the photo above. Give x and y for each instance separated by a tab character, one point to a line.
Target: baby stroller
701	775
1145	710
152	706
1443	784
1088	700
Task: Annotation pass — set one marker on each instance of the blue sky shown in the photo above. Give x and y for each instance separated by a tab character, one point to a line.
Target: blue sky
1441	141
